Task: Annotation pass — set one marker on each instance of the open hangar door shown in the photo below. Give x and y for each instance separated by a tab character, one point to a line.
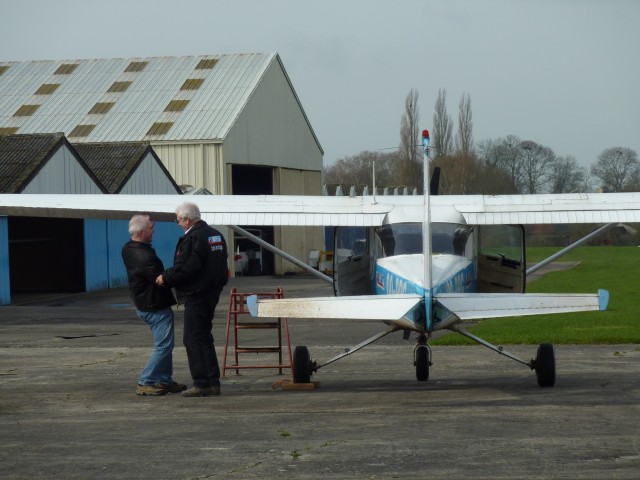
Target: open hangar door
253	180
46	254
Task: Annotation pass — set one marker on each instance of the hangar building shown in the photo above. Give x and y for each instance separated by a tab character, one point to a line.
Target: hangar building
230	124
69	255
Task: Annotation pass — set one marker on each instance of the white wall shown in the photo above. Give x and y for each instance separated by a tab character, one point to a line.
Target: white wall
62	174
272	129
149	178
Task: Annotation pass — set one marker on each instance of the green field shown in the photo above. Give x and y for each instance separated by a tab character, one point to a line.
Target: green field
616	269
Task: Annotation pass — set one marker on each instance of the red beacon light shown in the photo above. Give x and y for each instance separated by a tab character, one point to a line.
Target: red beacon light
425	142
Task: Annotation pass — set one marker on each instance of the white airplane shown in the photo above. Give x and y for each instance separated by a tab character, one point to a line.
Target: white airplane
417	263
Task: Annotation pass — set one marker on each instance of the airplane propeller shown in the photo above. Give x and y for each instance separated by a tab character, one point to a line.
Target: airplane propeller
434	184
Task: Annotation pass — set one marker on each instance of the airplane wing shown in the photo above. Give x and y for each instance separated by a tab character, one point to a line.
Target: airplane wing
474	306
291	210
363	307
286	210
545	208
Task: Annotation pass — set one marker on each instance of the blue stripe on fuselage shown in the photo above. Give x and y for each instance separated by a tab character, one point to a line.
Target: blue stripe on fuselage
389	283
463	281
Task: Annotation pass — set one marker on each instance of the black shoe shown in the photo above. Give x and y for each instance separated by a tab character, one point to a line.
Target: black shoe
173	387
202	391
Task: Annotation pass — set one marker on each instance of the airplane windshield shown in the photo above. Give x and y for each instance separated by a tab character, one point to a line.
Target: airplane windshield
406	238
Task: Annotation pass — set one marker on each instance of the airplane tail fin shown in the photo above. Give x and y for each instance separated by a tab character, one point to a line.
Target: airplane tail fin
474	306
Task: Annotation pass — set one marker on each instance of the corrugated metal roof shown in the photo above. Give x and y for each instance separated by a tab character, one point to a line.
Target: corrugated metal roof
209	114
112	163
22	156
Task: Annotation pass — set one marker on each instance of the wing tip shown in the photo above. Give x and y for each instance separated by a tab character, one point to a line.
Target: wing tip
603	299
252	303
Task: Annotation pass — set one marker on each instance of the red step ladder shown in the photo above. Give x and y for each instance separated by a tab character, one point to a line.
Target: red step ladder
237	308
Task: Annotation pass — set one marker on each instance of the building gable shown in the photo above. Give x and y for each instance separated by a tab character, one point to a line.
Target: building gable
150	177
43	163
273	128
127	167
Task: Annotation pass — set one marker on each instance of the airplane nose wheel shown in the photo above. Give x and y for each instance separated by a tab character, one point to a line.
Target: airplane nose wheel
545	365
422	359
302	365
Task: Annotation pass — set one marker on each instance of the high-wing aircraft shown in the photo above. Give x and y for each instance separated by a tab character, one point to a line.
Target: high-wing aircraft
417	263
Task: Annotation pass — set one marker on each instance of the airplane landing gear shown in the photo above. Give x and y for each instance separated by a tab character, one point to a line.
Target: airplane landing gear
545	365
422	359
302	365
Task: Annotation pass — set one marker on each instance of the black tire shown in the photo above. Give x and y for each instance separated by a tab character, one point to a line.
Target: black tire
422	363
301	365
545	365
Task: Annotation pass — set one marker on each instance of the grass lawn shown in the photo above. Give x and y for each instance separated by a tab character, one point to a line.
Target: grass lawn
616	269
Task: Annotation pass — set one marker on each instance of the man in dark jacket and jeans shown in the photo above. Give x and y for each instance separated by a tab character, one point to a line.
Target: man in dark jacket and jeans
199	274
153	305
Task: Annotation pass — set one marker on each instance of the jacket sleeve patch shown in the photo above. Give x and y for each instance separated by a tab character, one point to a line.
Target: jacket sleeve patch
216	243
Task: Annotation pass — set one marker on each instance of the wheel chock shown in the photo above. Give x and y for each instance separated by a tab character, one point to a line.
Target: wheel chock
289	385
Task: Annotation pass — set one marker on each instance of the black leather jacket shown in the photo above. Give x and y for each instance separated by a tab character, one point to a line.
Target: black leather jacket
143	266
200	262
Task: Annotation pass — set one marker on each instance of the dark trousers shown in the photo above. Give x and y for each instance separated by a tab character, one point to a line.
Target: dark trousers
198	339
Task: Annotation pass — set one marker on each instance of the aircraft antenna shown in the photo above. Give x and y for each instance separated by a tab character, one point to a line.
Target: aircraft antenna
426	223
373	198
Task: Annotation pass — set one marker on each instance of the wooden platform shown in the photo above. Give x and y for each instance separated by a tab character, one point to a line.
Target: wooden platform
289	385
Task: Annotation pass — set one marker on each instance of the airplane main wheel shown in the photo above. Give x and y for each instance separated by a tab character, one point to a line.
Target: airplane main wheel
301	365
545	365
422	363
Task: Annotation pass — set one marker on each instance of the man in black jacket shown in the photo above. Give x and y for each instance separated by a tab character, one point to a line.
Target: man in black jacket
199	274
153	305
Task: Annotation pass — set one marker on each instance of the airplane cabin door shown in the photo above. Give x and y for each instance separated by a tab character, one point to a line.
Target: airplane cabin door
351	262
501	259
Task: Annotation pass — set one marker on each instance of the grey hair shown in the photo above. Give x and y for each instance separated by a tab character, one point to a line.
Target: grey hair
188	210
138	223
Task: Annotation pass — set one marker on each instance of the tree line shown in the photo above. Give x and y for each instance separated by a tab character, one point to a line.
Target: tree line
507	165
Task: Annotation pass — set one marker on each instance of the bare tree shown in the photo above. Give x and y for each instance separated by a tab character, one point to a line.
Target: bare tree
464	137
491	180
459	174
358	170
568	176
460	169
618	169
503	158
489	152
409	166
442	127
536	166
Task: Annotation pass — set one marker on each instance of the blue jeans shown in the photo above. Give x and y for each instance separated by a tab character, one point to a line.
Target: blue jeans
159	368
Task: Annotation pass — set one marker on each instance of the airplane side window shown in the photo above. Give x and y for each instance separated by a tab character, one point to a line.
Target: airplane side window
501	241
360	247
350	242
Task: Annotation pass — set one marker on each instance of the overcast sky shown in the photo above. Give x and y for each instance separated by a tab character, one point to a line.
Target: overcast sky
563	73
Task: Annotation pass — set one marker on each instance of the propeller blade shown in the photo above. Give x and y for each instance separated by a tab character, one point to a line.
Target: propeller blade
435	181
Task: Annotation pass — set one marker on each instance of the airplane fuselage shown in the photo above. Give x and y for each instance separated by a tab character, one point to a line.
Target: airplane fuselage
389	260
